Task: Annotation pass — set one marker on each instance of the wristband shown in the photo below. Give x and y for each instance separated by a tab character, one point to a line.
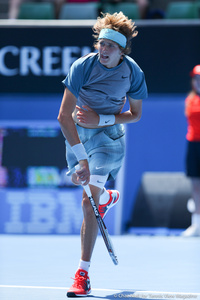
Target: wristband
105	120
79	151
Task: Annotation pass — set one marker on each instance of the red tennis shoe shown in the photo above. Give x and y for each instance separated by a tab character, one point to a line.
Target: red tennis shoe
81	285
114	198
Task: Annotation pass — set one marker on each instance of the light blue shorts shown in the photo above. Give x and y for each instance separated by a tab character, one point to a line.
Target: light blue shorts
105	148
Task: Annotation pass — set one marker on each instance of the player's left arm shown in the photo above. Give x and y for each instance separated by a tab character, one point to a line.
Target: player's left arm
88	116
133	114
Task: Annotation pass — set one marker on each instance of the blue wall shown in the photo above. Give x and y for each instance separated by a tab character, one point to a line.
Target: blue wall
18	107
155	144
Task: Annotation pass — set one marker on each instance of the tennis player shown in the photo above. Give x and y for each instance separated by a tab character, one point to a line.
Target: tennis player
192	113
91	119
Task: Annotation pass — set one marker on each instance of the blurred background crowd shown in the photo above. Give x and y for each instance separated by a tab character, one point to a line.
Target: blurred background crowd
90	9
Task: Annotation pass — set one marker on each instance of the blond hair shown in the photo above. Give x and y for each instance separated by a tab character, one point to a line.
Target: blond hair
118	22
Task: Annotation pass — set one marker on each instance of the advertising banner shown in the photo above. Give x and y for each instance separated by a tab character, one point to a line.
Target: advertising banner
40	211
35	59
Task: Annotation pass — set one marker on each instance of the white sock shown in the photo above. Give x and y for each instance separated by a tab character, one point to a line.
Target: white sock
196	219
105	196
84	265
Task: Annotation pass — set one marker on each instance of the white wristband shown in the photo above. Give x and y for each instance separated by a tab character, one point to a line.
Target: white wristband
79	151
105	120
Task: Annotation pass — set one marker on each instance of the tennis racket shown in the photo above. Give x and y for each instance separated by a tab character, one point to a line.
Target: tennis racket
102	226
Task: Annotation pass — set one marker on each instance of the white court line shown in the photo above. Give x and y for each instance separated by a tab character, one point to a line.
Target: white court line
124	294
50	287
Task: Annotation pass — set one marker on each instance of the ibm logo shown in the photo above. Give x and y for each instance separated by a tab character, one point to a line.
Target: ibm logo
40	211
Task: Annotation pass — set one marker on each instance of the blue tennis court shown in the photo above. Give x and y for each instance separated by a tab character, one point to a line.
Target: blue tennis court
150	267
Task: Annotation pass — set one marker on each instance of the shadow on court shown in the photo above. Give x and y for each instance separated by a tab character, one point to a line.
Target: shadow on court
120	295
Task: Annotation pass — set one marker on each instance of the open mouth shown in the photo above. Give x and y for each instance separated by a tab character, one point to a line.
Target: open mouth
104	56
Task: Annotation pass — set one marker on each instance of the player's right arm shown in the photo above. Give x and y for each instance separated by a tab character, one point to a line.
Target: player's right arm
65	119
68	128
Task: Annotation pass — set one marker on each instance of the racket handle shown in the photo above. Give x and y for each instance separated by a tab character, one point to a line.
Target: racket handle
77	167
87	190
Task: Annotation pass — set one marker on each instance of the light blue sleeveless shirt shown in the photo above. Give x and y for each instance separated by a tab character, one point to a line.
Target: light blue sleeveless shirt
103	89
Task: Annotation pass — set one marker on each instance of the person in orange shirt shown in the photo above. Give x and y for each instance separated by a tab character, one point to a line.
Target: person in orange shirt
192	113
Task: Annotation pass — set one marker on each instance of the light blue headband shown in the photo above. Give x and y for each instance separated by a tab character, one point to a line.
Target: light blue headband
113	35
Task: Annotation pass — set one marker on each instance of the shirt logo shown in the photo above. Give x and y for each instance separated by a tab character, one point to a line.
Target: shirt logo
123	77
99	181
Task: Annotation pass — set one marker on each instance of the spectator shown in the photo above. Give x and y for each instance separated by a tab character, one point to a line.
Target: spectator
192	113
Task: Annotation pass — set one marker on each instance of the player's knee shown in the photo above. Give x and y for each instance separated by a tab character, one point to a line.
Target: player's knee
86	205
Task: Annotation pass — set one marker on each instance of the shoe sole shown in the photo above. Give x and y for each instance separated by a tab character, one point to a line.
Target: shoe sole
71	294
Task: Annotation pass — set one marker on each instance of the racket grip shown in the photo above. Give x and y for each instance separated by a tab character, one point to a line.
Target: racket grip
87	190
77	167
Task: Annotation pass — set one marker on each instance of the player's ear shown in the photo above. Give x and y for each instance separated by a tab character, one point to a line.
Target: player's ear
121	50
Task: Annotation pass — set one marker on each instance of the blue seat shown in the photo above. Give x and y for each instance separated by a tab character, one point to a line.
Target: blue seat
36	11
182	10
82	11
130	10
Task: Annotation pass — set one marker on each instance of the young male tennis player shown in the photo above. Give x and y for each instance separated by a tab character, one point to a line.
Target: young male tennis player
91	120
